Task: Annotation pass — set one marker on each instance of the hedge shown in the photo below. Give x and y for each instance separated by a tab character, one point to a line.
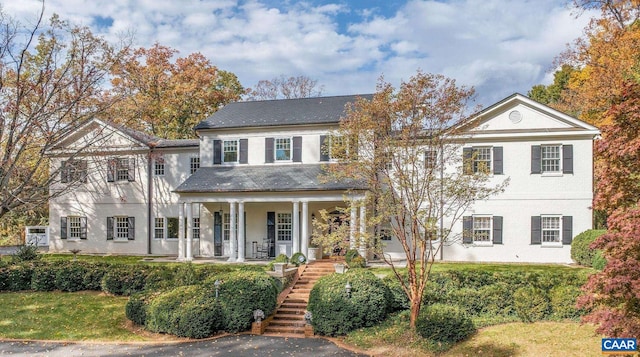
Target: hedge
531	304
444	323
581	252
336	313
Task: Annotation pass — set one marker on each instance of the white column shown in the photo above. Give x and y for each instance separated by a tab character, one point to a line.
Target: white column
241	242
363	230
305	229
296	228
352	227
189	232
181	231
232	236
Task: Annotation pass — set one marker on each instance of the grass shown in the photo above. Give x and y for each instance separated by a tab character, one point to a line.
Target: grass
491	267
394	338
82	316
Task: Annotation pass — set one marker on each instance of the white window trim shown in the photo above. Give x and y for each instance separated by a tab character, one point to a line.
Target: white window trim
474	159
222	161
69	237
164	228
560	168
551	244
275	150
194	228
278	228
116	236
162	162
488	243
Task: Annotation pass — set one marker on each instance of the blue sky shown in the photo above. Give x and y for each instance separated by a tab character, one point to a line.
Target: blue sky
497	46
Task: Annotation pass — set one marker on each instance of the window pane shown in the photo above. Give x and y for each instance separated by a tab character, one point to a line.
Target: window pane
195	164
196	227
482	160
550	229
283	149
173	227
283	226
74	227
122	228
482	229
159	228
550	158
230	151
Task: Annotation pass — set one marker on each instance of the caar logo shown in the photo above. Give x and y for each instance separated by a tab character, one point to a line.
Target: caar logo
619	345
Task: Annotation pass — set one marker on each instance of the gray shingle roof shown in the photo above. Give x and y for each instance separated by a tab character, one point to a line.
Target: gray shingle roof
263	178
317	110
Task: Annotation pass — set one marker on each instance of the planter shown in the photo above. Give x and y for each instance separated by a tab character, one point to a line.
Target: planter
340	268
312	253
279	268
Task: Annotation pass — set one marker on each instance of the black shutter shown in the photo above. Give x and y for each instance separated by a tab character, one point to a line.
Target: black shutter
567	229
567	159
536	155
271	233
536	230
64	172
110	221
244	151
467	230
111	170
132	169
497	160
63	227
83	227
268	149
497	230
217	152
324	150
131	225
297	149
82	166
467	163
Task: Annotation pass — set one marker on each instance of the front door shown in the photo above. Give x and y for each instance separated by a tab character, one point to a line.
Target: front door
217	234
271	233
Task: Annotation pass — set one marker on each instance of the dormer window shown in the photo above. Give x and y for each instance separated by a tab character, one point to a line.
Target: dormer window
283	149
230	151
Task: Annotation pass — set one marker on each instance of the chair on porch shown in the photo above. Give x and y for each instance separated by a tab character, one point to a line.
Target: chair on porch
263	249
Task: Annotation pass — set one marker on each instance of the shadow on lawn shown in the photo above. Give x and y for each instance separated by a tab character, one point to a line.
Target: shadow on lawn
487	349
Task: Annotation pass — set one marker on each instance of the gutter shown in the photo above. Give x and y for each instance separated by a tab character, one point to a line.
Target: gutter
150	200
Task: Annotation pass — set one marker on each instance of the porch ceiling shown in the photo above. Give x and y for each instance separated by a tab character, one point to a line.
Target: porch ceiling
264	178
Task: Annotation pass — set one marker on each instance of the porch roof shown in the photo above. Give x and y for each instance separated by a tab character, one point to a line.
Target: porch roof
263	178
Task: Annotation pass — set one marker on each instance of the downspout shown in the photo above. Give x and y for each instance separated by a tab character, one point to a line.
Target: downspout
150	200
441	202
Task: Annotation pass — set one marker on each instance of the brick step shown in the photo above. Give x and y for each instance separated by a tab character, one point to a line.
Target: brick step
285	330
289	317
294	305
293	323
297	289
289	311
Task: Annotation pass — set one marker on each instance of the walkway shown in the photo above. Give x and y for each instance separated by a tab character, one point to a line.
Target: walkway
235	345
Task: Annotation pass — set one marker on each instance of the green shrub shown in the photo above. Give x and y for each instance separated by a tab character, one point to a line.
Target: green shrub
198	318
282	258
241	293
336	313
469	299
444	324
25	253
295	259
124	279
581	253
358	263
598	262
563	302
497	299
396	299
94	274
160	315
161	278
70	277
19	276
136	307
44	277
530	303
186	275
350	254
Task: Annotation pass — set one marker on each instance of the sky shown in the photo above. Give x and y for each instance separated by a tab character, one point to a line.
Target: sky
497	46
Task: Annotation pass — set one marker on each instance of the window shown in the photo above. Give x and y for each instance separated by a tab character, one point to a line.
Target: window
550	158
73	227
481	229
173	227
121	169
73	171
159	228
194	164
283	149
486	160
283	227
338	148
226	226
551	229
430	159
229	151
159	166
196	227
121	228
482	160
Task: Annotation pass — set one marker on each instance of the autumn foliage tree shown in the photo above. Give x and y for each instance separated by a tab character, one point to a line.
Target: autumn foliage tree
285	88
409	156
167	97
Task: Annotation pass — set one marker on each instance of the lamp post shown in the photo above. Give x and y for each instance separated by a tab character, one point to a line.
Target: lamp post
347	288
216	284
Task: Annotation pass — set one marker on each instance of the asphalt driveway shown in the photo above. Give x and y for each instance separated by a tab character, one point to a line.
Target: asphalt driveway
235	345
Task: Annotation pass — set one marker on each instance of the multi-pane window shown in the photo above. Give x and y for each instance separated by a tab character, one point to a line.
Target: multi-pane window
194	164
551	229
431	159
337	148
196	227
481	229
121	230
122	169
74	227
173	227
283	149
230	151
159	166
159	228
550	158
226	226
283	226
73	171
482	160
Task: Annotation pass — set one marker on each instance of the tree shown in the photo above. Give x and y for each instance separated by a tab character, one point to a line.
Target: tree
165	98
285	88
551	94
409	156
51	79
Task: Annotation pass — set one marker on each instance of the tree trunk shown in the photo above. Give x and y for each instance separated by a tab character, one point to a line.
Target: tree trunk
415	311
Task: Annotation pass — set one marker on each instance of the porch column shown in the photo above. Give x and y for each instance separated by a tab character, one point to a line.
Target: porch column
241	242
232	231
352	226
181	231
363	230
305	229
189	208
296	228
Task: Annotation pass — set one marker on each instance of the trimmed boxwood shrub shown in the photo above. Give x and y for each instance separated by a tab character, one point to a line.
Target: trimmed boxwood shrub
295	259
125	279
18	276
70	276
358	263
136	307
469	299
497	299
282	258
335	313
161	278
396	298
350	254
581	253
444	323
241	293
44	276
198	318
94	274
563	302
531	304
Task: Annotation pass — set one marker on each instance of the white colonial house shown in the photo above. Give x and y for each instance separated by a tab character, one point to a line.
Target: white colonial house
250	186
